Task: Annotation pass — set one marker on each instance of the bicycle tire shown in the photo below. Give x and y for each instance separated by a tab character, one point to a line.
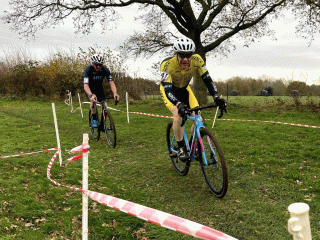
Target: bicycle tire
181	167
109	128
94	131
215	172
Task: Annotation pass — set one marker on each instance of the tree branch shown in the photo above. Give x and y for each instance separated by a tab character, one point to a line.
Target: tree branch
241	27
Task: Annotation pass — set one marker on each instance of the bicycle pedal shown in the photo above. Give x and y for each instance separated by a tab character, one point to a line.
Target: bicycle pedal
173	155
185	160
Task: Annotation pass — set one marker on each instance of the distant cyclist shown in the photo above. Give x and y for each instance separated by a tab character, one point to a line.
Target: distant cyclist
176	74
93	78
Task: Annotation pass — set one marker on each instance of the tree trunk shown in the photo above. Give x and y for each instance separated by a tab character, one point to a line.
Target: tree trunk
200	89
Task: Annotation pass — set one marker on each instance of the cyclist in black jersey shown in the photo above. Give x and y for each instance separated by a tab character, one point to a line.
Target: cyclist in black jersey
176	74
93	78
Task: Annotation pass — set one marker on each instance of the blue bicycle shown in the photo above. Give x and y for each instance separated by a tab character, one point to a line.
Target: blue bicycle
203	147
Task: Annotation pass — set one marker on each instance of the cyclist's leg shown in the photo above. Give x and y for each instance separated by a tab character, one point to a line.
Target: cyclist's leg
178	131
93	108
177	120
101	97
193	102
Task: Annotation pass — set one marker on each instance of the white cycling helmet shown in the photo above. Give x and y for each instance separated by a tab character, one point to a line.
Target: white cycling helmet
97	59
184	45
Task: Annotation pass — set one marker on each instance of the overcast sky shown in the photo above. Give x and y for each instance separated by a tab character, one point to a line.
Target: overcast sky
289	57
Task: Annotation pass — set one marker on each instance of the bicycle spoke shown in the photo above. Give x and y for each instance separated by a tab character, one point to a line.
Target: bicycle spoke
109	129
213	165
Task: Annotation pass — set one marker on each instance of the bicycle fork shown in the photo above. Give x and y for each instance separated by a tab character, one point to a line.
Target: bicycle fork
212	156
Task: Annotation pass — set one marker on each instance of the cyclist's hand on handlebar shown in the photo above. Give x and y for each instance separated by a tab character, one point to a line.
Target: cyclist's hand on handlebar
222	104
93	98
182	109
116	99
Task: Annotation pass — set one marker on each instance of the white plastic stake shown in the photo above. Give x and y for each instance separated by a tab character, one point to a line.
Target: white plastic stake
57	132
80	105
214	120
85	169
70	101
299	224
127	103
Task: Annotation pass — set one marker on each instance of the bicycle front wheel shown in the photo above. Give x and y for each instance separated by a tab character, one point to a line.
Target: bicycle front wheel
109	128
94	131
213	164
181	167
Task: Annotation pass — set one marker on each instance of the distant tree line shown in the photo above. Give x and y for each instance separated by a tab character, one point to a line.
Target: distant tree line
21	76
243	86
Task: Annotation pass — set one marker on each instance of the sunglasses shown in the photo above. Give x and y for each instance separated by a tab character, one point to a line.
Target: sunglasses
185	55
98	65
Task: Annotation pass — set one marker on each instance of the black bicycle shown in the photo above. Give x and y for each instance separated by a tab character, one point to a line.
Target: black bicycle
204	148
105	124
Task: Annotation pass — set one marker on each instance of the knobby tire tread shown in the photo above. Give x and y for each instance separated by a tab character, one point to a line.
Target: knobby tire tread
222	161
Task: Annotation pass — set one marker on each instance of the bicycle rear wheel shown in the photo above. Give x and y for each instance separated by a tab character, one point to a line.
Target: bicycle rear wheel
94	131
181	167
109	128
215	170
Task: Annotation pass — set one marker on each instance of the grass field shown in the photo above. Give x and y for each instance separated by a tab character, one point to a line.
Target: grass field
270	166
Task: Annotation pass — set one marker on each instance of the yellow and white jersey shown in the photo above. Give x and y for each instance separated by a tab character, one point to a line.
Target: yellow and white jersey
172	73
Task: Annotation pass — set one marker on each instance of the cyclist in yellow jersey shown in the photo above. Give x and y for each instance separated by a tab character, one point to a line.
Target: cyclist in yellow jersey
176	74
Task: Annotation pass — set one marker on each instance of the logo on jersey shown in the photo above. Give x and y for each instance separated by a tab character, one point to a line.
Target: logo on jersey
164	76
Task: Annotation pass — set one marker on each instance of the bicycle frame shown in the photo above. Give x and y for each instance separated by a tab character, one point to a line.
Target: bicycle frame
196	136
104	106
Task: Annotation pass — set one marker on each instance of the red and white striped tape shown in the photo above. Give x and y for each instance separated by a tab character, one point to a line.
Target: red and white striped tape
117	110
160	218
292	124
24	154
74	158
55	182
235	120
82	148
149	214
152	115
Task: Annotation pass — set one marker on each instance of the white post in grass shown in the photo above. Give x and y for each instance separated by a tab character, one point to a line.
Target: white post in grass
215	116
70	101
85	188
80	105
299	224
127	103
57	132
214	120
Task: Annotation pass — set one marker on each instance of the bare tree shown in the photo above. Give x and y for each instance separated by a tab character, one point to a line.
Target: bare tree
308	13
211	24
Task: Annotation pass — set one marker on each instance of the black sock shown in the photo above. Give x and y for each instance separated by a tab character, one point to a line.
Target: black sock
94	116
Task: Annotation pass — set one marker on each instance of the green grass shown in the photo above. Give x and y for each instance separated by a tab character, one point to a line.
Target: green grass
270	166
